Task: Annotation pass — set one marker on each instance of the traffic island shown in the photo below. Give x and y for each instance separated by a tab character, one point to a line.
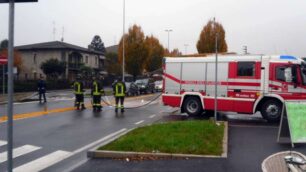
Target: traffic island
171	140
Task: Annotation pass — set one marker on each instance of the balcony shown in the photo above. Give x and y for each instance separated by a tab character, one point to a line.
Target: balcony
74	66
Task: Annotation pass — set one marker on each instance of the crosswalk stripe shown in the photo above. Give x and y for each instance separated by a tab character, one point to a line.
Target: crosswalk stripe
19	152
2	143
43	162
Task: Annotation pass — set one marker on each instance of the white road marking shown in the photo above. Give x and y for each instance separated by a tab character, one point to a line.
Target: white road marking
19	152
21	103
152	116
55	157
3	143
98	141
43	162
139	122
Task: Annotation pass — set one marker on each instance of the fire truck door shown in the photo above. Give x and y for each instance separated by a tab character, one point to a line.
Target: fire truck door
222	79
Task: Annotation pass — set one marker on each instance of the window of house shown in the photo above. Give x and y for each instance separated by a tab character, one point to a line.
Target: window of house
246	69
86	59
97	59
63	56
34	59
26	76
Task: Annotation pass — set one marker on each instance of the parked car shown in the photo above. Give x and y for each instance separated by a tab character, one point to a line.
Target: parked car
158	85
131	89
145	85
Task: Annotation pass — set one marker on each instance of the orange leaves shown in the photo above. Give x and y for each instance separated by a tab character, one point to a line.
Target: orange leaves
207	43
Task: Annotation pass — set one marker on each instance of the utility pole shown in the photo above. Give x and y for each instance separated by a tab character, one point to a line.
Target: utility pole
10	82
123	39
10	87
216	73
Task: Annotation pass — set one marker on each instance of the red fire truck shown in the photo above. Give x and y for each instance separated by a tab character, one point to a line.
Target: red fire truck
246	84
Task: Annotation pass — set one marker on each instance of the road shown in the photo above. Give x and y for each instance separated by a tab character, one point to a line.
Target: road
59	141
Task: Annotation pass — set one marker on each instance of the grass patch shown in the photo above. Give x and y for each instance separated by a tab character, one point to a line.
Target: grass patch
184	137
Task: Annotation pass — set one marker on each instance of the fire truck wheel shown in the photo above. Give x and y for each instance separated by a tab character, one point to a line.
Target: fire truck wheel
271	110
192	106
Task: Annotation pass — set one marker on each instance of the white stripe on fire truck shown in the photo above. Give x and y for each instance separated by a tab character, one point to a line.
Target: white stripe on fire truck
276	83
244	87
244	80
230	98
209	97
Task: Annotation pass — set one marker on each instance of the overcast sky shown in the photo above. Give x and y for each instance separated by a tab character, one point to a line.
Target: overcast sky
265	26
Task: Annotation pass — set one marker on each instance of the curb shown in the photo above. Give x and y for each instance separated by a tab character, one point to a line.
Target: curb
96	154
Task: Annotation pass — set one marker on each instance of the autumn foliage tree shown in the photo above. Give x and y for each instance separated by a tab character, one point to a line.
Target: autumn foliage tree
113	67
155	54
136	50
174	53
206	42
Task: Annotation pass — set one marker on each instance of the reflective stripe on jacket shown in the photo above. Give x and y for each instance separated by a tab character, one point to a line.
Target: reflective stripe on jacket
96	89
119	89
78	87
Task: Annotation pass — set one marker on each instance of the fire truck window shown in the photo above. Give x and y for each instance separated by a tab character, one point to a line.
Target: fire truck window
304	75
284	74
246	69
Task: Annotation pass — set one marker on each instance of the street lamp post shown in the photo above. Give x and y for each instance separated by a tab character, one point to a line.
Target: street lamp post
123	41
168	31
186	46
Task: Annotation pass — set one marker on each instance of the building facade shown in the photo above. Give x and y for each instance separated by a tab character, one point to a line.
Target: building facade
74	56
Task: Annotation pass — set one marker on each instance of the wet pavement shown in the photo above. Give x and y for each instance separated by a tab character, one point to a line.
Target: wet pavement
65	137
68	135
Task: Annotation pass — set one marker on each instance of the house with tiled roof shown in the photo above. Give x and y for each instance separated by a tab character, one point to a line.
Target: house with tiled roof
33	55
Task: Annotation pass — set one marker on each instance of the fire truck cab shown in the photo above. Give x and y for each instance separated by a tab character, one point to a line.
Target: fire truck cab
245	84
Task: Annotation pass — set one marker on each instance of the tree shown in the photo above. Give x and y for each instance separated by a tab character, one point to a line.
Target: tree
135	50
17	55
4	44
97	44
86	71
113	67
207	43
53	68
174	53
155	54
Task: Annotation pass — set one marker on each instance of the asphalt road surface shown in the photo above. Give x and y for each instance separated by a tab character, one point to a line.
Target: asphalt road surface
59	141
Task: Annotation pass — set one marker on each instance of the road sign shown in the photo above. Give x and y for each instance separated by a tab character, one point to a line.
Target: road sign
294	122
3	60
16	1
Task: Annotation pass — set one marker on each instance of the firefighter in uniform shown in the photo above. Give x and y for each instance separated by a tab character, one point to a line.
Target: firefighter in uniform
96	93
119	90
79	93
